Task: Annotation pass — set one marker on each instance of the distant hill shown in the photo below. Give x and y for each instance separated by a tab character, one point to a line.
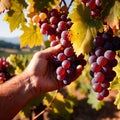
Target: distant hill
4	44
14	40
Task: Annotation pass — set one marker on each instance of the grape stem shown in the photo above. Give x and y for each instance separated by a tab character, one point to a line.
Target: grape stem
70	4
47	108
64	2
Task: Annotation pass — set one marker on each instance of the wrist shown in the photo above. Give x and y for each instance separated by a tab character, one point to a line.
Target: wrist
29	83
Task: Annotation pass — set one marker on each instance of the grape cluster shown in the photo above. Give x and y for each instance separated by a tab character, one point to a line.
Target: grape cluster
55	25
95	7
3	65
102	60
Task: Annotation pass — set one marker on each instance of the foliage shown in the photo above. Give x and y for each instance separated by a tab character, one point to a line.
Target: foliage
84	28
82	33
18	62
31	36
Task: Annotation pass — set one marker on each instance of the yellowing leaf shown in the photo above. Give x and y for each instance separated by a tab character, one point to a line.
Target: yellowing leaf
4	4
31	36
80	37
83	29
15	16
115	84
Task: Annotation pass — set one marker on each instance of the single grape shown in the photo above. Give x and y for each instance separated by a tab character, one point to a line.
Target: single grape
43	31
1	61
53	43
51	37
54	12
109	54
104	93
65	43
99	77
102	61
84	1
105	84
68	51
60	71
42	16
97	87
95	67
61	56
53	20
91	4
64	35
92	59
100	97
98	2
30	8
60	77
98	41
62	25
36	19
66	64
45	26
99	51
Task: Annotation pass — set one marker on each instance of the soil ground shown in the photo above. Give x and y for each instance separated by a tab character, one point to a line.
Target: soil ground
84	111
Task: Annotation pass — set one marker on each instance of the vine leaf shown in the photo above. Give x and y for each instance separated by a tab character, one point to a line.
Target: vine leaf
115	84
80	38
4	4
84	27
114	16
31	36
61	106
15	16
96	104
41	4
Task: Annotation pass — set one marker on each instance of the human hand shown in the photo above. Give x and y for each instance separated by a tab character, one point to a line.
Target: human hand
42	71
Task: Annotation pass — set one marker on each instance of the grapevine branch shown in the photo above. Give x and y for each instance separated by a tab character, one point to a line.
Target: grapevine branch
70	4
47	108
64	2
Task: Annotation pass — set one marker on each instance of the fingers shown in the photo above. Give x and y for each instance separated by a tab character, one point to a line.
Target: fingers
78	72
51	51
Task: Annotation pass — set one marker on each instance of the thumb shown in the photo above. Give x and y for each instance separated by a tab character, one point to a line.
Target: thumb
51	51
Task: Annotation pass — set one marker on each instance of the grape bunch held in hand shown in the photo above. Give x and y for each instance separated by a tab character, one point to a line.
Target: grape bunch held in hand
102	60
3	65
55	25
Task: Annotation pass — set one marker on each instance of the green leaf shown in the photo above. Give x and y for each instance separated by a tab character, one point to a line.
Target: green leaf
31	36
83	29
35	102
61	107
114	15
18	62
115	84
96	104
41	4
106	6
15	16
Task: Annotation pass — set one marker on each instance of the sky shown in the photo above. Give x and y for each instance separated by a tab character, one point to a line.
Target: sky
4	29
